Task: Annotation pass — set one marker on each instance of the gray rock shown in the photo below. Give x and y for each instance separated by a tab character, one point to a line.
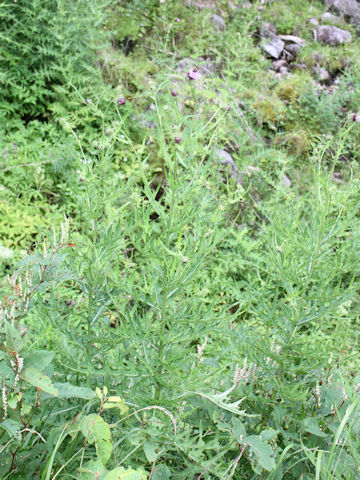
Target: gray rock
294	49
329	17
274	46
293	39
284	71
285	181
267	29
300	66
218	22
333	35
271	43
205	68
350	8
278	64
314	22
227	160
322	73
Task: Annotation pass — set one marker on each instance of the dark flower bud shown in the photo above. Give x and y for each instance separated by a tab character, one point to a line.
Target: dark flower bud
121	101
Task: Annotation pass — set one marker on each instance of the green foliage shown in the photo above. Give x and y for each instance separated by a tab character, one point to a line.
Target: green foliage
188	319
43	51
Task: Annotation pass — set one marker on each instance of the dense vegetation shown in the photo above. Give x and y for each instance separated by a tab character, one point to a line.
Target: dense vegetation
179	243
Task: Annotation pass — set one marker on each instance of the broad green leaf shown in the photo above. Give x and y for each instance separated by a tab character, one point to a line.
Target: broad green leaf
39	359
6	372
97	431
13	400
39	380
121	474
117	402
262	451
25	409
161	472
311	425
92	470
238	429
150	451
12	428
14	342
66	390
268	434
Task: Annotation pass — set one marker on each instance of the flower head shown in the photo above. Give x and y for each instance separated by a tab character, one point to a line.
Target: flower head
177	140
356	117
121	101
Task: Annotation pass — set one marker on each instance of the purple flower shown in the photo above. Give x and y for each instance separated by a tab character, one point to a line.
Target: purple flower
355	117
174	93
194	74
177	140
177	19
87	100
260	8
121	101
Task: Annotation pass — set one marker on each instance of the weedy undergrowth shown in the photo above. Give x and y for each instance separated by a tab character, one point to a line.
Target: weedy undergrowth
157	339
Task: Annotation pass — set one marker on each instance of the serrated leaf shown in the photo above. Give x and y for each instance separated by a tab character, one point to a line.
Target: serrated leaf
219	399
262	451
39	380
97	431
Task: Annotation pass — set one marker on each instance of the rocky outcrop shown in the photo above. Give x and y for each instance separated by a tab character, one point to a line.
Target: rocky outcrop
333	35
271	43
349	8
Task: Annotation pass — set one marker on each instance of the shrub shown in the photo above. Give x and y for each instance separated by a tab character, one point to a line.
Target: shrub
43	52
